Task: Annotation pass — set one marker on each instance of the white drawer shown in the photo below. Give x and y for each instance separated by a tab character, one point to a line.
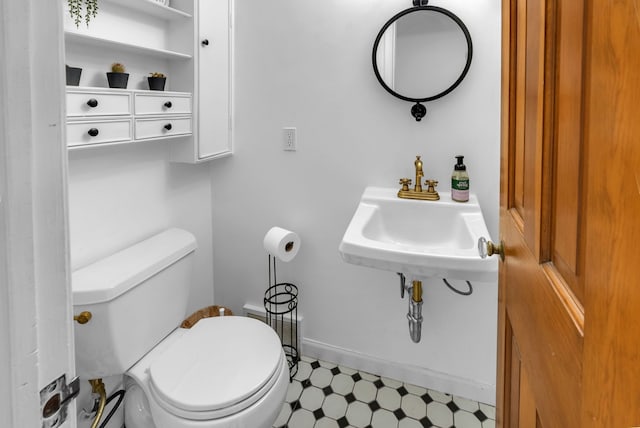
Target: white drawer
163	127
98	132
148	104
83	103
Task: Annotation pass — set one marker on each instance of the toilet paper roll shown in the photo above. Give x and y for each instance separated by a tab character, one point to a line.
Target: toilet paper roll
282	243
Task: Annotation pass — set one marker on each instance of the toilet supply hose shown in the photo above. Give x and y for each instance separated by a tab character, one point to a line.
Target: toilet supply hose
97	387
460	292
120	396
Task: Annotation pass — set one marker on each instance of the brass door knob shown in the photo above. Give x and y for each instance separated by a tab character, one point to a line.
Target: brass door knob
488	248
83	318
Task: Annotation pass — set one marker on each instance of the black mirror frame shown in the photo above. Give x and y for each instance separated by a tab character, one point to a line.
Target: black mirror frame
418	111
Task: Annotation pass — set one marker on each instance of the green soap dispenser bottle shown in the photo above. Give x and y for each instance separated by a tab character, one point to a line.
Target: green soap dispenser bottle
460	181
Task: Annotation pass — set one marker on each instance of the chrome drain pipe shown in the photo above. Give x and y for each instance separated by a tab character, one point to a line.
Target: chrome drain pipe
414	315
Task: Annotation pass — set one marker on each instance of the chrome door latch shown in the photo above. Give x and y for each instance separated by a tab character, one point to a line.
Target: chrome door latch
55	399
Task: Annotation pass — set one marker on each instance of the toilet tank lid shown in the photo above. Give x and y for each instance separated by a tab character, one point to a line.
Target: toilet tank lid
113	276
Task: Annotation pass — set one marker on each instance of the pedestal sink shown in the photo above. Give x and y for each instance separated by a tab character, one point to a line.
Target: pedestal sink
418	238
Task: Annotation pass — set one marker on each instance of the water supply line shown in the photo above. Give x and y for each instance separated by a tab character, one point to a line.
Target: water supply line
97	387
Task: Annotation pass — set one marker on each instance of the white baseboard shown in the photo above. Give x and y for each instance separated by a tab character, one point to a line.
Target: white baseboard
420	376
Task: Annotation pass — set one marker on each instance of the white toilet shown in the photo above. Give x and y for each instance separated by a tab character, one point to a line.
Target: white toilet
223	372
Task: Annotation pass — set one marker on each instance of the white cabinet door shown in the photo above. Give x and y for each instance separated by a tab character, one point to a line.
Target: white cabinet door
214	78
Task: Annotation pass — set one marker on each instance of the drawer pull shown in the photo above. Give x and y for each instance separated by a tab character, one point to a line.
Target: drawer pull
168	127
205	42
168	104
92	103
93	132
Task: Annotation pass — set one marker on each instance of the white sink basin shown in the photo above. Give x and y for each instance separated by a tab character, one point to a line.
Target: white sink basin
419	238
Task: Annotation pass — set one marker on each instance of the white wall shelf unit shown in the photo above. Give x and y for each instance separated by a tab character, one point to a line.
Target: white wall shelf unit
148	36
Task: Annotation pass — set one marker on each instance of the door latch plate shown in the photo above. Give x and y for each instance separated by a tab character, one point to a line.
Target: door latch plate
55	399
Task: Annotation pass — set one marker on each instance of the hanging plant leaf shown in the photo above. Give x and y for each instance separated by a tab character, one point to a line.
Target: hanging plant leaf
83	10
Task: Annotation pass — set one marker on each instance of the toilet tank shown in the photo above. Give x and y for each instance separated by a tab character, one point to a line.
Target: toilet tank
136	298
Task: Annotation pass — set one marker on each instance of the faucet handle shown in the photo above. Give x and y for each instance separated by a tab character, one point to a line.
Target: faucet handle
406	182
431	185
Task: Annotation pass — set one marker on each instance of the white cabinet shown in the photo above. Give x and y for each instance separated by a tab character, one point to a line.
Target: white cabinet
98	117
147	36
213	33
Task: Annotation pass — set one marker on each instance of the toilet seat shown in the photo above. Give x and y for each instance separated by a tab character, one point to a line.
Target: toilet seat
201	376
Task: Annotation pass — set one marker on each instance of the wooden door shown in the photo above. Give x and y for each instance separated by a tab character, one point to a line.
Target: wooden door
569	315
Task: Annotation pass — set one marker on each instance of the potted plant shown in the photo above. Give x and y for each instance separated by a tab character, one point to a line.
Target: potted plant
117	77
73	75
76	10
156	81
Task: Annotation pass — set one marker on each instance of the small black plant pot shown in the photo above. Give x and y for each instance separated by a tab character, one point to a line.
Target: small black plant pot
73	75
118	80
156	83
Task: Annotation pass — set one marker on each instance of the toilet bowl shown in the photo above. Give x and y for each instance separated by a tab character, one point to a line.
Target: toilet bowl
223	372
209	377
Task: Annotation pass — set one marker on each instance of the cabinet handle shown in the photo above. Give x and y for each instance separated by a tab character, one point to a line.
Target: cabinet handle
168	127
168	104
93	132
92	103
205	42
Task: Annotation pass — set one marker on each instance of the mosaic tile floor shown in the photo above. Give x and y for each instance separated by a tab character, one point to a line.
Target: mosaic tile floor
324	395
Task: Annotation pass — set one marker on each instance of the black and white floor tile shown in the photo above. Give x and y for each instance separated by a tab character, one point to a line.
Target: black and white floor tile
325	395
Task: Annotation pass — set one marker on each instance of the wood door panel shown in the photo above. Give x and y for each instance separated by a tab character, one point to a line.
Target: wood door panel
532	76
549	341
569	289
523	413
544	319
517	50
612	269
568	171
528	413
515	368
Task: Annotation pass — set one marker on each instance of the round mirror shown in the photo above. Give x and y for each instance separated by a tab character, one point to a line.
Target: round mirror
422	54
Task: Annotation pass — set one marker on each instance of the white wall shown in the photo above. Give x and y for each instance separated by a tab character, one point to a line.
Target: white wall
308	64
123	194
